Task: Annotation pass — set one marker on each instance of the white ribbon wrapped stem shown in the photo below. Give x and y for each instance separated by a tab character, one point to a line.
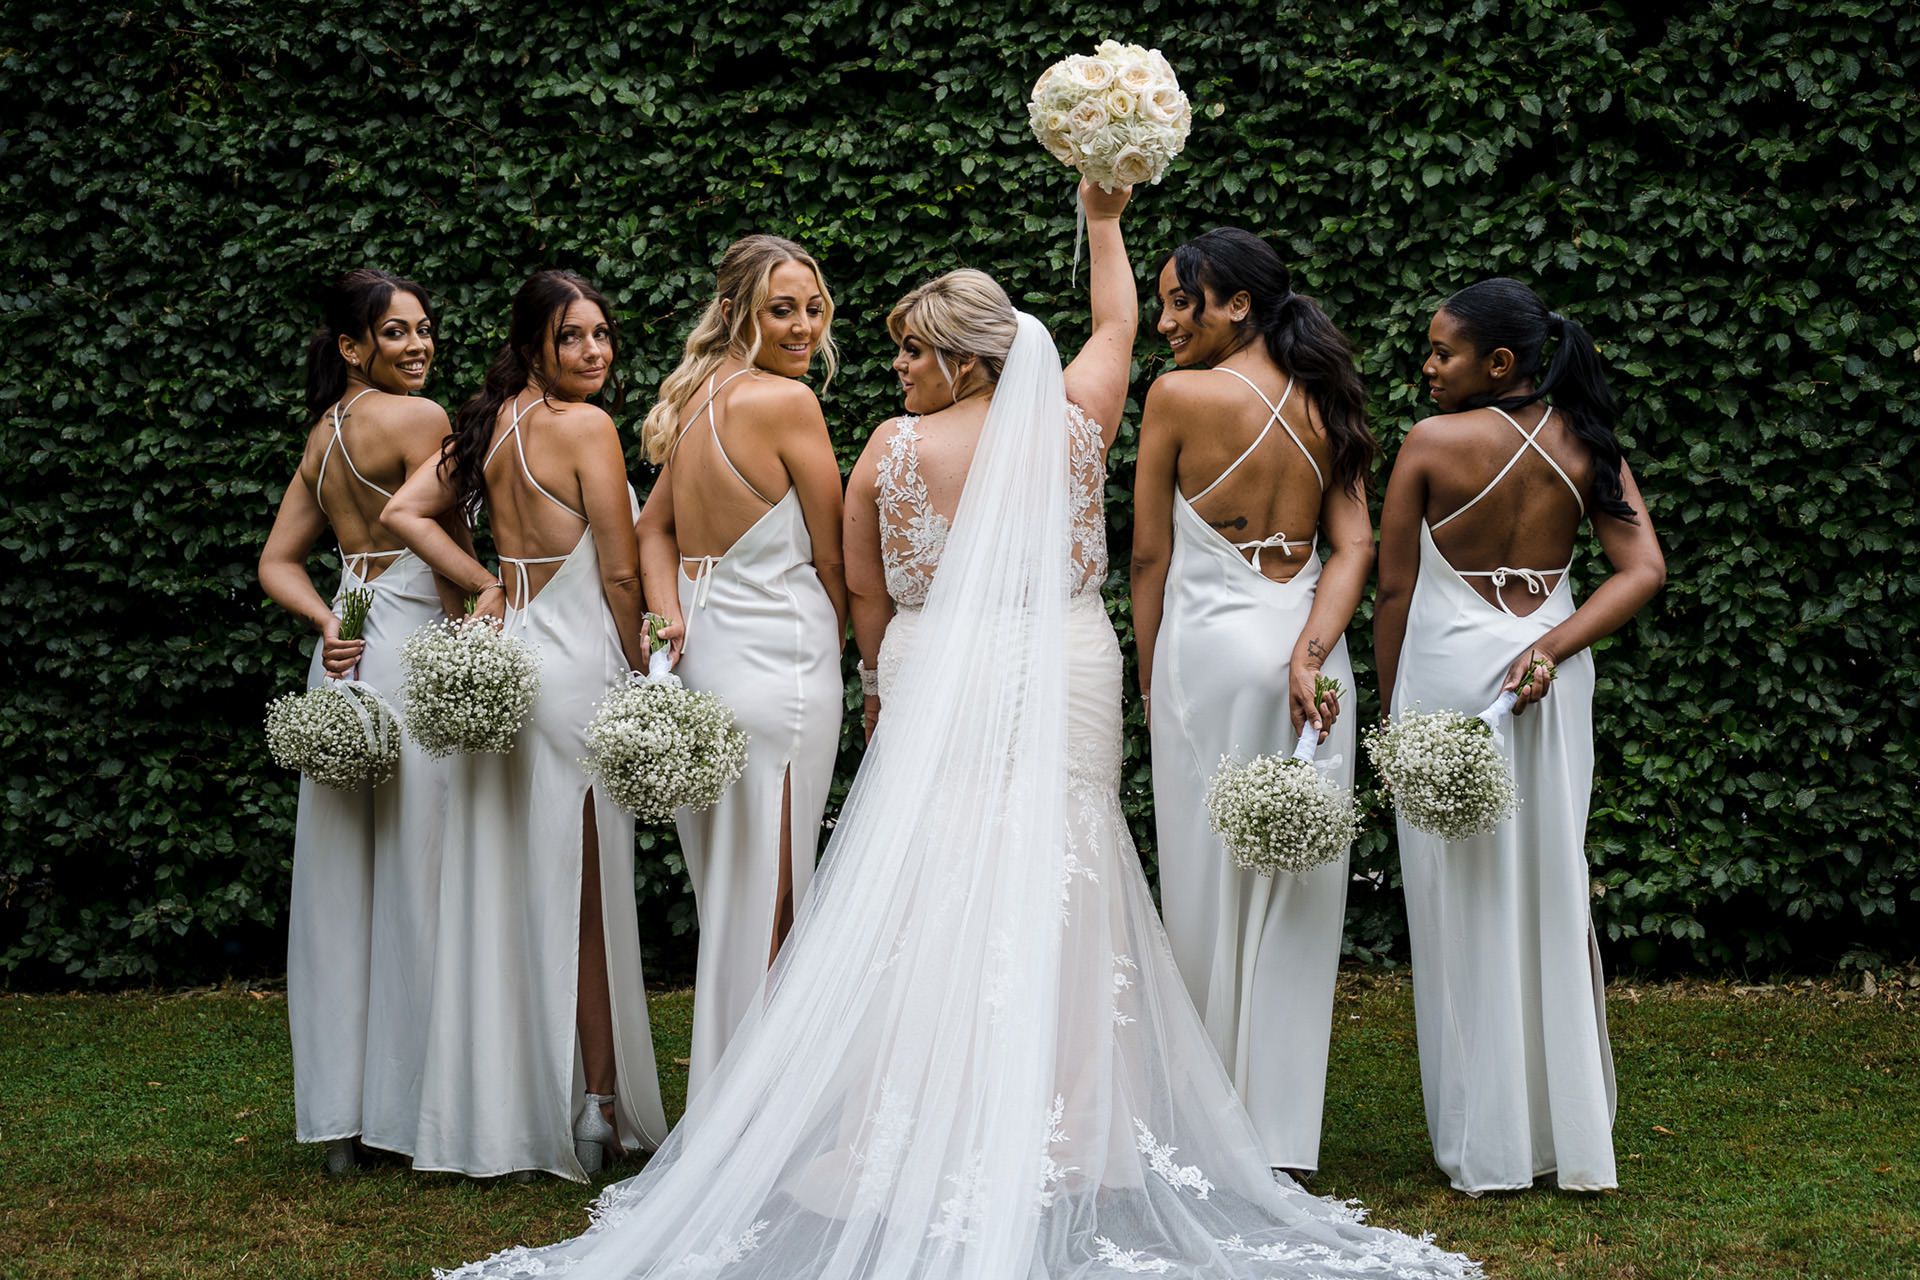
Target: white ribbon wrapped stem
356	691
1497	715
1309	743
659	669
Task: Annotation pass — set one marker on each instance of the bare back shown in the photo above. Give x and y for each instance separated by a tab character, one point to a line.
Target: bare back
355	460
1497	505
1252	473
534	499
724	478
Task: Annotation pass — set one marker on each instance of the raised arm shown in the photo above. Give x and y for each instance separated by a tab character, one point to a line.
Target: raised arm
1639	571
297	525
806	450
1154	475
1347	530
1400	516
415	515
1097	378
871	606
602	471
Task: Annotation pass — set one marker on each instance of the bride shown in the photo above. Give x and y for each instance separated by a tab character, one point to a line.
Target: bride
975	1058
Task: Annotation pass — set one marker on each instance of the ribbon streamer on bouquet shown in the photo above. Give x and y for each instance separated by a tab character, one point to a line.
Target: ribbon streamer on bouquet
357	692
1497	715
1079	234
659	670
1308	747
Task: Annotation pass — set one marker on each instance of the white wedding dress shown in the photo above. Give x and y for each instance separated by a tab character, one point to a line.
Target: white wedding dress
975	1060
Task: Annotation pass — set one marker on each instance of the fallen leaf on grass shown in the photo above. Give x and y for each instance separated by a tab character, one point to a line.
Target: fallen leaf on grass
1660	1128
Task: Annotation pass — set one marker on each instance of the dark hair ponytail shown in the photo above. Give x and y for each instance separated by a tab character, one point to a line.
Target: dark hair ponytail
350	307
1299	336
539	307
1502	312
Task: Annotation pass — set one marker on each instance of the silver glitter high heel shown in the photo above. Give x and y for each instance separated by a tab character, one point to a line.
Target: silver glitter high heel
592	1134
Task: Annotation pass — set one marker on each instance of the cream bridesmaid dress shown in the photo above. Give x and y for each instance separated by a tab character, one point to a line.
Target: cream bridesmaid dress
1515	1067
366	880
763	636
503	1080
1259	953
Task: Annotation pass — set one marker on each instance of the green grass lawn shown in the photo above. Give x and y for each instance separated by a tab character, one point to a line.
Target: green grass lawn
1762	1132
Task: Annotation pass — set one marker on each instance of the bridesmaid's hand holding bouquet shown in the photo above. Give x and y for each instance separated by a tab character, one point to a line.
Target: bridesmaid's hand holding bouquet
1278	813
468	685
656	746
1445	771
342	734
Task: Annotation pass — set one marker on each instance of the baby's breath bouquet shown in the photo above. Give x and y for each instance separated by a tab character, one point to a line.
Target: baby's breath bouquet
1117	115
341	733
1279	813
655	745
468	686
1445	770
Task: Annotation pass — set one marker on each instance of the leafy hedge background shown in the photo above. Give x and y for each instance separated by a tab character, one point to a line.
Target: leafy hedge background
1723	192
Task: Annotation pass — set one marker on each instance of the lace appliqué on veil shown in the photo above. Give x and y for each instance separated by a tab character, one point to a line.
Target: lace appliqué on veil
913	535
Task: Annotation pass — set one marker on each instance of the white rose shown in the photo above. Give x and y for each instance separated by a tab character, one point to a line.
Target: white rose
1162	106
1090	75
1087	117
1131	166
1120	103
1136	78
1159	66
1054	122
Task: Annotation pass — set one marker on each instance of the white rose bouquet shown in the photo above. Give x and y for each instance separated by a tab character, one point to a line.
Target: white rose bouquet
655	745
468	686
1117	115
1281	813
342	733
1445	771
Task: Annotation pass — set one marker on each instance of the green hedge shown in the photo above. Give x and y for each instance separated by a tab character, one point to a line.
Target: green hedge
1724	195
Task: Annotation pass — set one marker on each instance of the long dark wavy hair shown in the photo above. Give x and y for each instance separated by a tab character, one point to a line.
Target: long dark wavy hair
1306	345
1502	312
350	307
539	308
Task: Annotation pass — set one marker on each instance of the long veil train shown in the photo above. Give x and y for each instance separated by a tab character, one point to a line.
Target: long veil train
975	1059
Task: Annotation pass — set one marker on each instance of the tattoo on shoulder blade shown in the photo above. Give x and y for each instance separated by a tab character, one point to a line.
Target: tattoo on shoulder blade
1236	524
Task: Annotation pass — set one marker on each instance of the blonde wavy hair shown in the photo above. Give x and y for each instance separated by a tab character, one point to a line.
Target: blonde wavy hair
742	279
962	313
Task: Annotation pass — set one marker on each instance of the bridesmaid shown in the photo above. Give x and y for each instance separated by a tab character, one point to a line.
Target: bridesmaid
1476	544
1250	450
366	866
740	551
539	991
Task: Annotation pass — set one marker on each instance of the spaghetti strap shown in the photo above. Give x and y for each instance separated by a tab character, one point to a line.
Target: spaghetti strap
713	426
1528	440
1534	579
1273	411
339	415
513	429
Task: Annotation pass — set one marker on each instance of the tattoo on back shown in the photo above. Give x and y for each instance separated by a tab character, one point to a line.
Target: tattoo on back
1237	523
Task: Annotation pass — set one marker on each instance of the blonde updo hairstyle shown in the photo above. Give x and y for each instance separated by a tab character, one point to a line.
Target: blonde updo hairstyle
960	314
742	280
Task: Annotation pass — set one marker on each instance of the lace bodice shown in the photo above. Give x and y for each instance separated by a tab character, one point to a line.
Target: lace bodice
913	534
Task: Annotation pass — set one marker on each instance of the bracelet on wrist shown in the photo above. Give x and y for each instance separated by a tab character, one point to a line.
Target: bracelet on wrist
869	680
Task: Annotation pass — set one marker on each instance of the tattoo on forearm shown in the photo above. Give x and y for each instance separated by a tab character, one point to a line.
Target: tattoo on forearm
1316	650
1237	523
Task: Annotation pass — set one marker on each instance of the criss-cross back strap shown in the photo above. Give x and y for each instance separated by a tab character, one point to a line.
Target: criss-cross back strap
713	426
1528	440
338	418
1273	416
513	430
